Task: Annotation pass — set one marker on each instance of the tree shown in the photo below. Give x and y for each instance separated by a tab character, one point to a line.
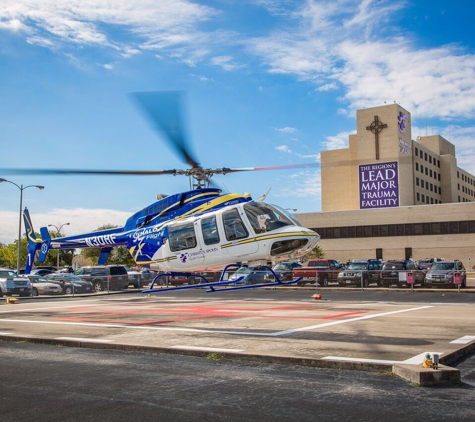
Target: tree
315	253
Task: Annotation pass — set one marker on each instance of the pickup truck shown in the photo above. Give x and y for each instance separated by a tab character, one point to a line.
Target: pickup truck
321	271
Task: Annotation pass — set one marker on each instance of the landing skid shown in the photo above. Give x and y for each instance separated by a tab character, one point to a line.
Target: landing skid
220	283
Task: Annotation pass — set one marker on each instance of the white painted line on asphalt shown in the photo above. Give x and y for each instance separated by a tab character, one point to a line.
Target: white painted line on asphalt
451	303
90	340
346	321
387	362
206	349
418	359
463	340
5	334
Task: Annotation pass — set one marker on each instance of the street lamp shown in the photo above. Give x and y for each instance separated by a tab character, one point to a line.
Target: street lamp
59	232
22	188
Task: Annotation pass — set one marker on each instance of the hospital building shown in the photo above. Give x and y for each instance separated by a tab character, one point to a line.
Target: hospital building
389	196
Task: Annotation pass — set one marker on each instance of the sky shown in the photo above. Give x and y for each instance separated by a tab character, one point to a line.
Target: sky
264	83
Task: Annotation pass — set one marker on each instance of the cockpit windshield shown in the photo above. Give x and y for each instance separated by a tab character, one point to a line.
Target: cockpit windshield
265	218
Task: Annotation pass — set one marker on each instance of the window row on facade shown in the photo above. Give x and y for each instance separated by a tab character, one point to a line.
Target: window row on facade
466	179
428	172
427	157
409	229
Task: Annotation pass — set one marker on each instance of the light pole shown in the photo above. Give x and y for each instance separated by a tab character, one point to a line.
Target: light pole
59	233
22	188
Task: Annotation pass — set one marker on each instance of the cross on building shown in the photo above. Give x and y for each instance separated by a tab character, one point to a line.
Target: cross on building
376	127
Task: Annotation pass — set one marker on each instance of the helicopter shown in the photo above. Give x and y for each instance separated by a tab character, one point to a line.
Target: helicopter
187	231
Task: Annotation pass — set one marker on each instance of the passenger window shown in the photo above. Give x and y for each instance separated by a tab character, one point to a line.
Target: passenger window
209	229
233	225
182	237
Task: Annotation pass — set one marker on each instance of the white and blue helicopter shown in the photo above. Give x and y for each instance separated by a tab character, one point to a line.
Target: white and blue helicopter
187	231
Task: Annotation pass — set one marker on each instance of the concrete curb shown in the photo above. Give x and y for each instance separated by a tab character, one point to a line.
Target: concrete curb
413	373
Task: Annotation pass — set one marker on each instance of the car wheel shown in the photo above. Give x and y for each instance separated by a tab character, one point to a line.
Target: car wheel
324	282
1	293
35	291
98	286
365	282
68	290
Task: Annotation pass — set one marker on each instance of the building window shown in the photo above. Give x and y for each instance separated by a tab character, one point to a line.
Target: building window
440	191
417	166
425	156
418	196
417	152
427	171
438	177
431	187
438	163
422	168
458	187
423	199
458	175
430	173
420	153
427	199
427	185
430	159
417	181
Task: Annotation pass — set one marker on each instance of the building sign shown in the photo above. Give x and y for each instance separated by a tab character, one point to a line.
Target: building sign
404	146
379	185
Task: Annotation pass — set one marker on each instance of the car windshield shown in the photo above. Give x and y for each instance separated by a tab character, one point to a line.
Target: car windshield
244	270
72	277
356	266
282	267
442	266
394	266
38	279
8	274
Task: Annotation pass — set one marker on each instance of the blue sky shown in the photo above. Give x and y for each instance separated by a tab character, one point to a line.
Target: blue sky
265	82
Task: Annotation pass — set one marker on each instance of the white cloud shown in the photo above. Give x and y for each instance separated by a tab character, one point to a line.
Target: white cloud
287	129
338	141
81	221
225	62
283	148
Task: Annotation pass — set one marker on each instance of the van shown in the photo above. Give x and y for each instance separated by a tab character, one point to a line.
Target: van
11	284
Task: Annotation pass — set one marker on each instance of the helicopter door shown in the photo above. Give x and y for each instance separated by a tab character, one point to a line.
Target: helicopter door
236	232
184	243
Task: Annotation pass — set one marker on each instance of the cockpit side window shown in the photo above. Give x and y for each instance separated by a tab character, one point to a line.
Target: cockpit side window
182	237
233	225
209	229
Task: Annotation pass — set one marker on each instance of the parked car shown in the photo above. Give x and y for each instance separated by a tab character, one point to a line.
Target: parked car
105	277
283	270
426	263
360	271
41	271
41	286
442	274
12	284
135	277
254	275
70	283
394	272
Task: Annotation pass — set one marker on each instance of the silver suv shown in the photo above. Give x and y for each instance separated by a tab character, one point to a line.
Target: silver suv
11	284
442	274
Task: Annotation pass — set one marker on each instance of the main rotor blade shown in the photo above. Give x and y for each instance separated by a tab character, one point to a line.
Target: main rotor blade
225	170
89	172
164	111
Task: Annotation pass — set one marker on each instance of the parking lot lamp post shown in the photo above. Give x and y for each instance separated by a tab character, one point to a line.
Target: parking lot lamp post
22	188
59	233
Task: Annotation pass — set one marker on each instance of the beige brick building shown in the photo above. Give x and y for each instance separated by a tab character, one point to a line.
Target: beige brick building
389	196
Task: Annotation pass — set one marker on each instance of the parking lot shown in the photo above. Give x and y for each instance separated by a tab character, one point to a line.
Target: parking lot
370	329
